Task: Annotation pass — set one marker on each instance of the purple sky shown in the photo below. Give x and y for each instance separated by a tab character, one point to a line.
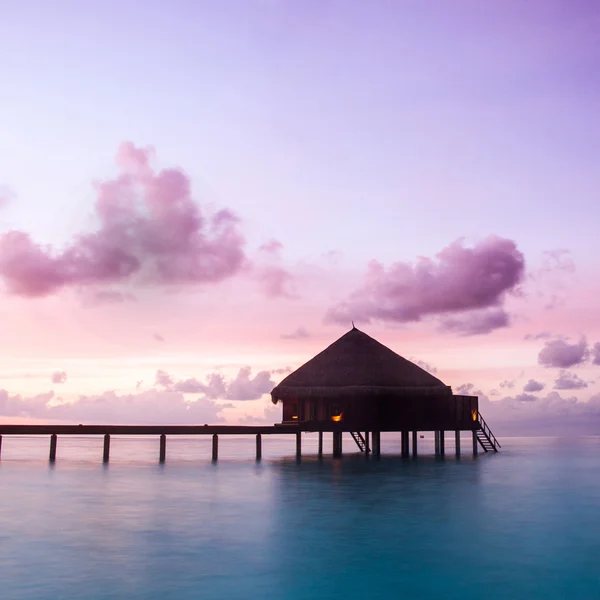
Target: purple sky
349	132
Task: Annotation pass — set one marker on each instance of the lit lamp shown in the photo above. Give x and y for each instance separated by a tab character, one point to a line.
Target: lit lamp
474	415
336	418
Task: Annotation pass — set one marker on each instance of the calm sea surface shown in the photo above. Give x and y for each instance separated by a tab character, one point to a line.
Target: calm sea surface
521	524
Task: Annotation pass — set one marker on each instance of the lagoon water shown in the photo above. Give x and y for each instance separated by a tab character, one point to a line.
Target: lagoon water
521	524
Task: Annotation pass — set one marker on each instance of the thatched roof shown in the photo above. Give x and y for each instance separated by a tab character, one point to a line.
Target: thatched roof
356	365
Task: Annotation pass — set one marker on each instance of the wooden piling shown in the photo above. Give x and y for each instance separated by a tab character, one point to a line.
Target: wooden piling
376	443
337	444
442	443
414	443
298	445
258	446
405	444
436	437
53	441
367	445
0	446
215	446
474	443
163	448
457	442
320	450
106	451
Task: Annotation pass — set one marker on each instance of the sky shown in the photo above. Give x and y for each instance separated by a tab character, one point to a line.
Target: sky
197	197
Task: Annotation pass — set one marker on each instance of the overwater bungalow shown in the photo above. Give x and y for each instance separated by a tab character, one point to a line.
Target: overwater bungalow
358	385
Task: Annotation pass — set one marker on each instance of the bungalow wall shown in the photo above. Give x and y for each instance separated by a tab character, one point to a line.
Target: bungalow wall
421	413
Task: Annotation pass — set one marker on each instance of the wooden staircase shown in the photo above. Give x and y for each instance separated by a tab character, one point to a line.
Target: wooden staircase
487	440
359	439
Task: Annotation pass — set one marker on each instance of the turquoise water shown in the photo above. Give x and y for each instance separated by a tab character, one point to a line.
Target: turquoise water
521	524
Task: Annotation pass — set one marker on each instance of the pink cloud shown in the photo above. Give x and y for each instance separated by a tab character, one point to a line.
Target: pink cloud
276	282
596	353
477	322
569	381
59	377
533	386
299	334
216	387
459	281
148	407
149	227
560	354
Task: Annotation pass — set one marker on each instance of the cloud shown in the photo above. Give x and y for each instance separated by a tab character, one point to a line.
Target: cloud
569	381
533	386
158	337
460	280
276	282
149	228
548	415
596	354
148	407
467	389
477	322
559	260
299	334
544	335
425	366
507	384
216	387
560	354
525	398
59	377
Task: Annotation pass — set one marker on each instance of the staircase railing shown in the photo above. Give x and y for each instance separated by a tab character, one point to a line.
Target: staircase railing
487	431
360	440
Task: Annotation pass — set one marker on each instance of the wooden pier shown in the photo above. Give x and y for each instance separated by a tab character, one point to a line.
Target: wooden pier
368	442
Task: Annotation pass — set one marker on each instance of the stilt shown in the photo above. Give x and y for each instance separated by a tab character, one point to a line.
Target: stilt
474	443
320	450
106	452
337	444
0	446
437	442
215	446
163	448
414	443
457	442
442	443
53	441
299	445
376	443
367	445
404	442
258	446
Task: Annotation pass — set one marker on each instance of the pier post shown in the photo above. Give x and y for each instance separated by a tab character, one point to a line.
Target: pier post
436	436
320	451
215	446
258	446
376	443
53	441
404	443
337	444
442	443
0	446
367	445
299	445
414	443
163	448
106	450
457	441
474	443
